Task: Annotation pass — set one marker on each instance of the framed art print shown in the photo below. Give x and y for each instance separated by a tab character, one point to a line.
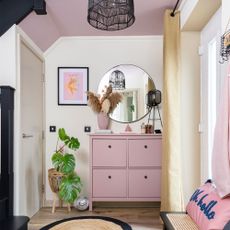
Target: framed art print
73	83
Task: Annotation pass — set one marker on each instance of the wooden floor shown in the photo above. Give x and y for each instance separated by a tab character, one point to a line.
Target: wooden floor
138	218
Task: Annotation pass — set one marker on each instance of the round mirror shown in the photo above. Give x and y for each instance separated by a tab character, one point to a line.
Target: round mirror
134	84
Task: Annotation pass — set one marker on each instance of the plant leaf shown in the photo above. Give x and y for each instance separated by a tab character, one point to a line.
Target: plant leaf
70	187
67	140
57	160
62	134
74	143
68	163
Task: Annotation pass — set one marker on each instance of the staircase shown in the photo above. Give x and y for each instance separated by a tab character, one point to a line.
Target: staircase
14	11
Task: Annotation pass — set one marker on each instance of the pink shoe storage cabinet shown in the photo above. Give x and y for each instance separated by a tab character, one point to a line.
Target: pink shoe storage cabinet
125	167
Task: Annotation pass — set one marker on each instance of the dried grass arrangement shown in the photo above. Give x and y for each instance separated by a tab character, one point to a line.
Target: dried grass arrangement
106	102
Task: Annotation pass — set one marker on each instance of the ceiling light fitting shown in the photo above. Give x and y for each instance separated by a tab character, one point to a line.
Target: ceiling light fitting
111	15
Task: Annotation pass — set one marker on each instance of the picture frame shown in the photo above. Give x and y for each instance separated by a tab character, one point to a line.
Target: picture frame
73	83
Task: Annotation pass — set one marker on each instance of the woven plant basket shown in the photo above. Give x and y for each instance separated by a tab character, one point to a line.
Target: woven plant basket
55	178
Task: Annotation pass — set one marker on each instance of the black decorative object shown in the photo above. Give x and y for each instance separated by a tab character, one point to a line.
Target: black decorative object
111	15
117	80
153	99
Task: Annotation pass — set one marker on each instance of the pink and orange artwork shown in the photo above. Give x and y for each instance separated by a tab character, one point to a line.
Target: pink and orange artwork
73	86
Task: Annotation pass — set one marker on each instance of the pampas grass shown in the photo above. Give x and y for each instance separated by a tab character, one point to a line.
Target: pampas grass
94	102
105	103
114	99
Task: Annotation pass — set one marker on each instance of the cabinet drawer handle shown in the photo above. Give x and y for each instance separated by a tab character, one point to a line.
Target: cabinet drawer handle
146	177
109	177
109	146
146	146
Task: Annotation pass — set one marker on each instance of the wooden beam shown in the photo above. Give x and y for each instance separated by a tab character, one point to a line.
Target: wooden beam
40	7
13	12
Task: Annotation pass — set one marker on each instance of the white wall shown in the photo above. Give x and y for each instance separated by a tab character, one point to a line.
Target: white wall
99	54
8	58
190	112
210	96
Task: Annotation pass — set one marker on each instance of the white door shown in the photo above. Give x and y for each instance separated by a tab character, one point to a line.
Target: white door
210	89
31	178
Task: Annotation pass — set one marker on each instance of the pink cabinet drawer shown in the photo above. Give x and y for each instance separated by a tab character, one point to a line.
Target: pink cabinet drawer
144	183
109	152
109	183
145	152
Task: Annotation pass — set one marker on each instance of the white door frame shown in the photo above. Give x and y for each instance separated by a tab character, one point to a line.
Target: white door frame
210	33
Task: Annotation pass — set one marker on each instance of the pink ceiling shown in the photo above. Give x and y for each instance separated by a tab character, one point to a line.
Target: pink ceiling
69	18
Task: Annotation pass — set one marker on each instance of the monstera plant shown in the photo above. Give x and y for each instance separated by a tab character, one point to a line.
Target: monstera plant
69	185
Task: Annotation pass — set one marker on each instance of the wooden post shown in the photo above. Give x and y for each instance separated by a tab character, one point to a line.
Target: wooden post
54	202
68	207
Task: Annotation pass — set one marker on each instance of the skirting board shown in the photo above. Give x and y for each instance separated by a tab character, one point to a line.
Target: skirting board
49	203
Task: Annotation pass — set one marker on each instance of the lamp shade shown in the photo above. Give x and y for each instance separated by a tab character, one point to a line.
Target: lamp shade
117	80
111	15
153	98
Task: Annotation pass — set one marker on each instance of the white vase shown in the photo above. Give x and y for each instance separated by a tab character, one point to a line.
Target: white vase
103	120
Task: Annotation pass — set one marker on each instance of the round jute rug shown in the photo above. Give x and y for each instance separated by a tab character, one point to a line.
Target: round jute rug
88	223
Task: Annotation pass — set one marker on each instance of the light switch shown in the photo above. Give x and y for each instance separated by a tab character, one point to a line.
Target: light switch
52	129
87	129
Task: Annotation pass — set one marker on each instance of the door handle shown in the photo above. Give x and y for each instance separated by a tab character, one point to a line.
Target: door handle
26	135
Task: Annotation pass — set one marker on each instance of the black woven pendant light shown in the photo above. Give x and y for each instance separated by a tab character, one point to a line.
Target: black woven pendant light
111	14
117	80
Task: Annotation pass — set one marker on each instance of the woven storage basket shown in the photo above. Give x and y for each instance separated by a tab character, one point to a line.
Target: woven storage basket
54	179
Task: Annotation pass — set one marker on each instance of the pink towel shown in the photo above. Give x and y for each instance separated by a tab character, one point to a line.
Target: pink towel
221	145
